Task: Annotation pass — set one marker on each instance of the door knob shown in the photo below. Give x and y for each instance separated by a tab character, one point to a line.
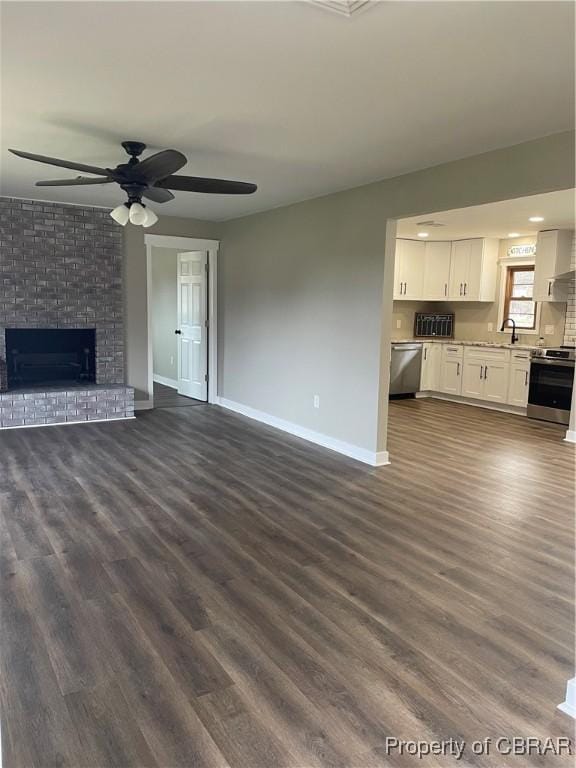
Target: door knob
178	332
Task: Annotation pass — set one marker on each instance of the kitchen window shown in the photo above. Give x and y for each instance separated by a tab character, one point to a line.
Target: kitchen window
519	304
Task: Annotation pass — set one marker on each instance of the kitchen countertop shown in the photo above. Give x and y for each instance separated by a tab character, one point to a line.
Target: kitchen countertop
501	345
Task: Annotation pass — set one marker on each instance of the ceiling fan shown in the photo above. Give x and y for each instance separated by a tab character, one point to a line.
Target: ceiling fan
152	178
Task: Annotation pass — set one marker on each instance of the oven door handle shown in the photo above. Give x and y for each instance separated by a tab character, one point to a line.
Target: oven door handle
542	361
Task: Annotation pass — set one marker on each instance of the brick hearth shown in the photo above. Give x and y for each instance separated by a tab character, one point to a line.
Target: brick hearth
61	267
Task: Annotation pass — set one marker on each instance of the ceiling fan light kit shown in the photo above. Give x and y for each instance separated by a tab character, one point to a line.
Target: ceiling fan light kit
152	178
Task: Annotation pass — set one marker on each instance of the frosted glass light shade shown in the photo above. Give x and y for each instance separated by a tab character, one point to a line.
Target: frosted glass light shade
137	214
120	215
151	218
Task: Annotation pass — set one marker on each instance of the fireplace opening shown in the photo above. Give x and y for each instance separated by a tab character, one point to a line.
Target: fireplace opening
50	356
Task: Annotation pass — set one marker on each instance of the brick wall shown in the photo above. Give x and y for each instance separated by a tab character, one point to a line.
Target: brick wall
570	327
61	267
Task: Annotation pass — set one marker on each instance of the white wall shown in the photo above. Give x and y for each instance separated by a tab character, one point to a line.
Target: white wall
305	296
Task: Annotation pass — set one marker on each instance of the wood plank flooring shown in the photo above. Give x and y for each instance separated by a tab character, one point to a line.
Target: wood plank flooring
195	589
167	397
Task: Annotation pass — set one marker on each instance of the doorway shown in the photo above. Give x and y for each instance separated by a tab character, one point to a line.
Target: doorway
181	321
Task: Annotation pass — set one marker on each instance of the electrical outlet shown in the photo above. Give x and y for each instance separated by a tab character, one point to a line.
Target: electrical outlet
398	323
316	401
549	330
490	327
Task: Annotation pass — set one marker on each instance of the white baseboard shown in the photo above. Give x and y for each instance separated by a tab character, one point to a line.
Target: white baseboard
375	459
570	436
173	383
143	405
569	705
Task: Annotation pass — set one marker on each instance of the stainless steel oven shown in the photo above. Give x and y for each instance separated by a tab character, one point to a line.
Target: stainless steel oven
551	382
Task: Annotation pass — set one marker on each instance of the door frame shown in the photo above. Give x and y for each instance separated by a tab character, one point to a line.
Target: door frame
187	244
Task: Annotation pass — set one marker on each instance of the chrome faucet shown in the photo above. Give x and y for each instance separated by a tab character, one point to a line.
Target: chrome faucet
514	334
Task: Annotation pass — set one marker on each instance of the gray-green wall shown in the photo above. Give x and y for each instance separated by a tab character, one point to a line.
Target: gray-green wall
305	294
164	316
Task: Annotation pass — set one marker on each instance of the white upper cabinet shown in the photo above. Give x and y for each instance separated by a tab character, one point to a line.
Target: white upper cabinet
409	270
437	270
473	270
463	270
552	258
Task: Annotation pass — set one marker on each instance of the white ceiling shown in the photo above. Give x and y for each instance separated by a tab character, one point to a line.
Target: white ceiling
301	101
496	219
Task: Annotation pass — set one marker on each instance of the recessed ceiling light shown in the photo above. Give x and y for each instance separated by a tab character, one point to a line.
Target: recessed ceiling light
423	234
536	218
513	234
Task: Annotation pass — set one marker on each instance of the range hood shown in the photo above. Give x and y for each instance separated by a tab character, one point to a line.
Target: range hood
565	277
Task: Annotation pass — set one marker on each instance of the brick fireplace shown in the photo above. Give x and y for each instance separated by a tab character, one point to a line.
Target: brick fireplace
60	269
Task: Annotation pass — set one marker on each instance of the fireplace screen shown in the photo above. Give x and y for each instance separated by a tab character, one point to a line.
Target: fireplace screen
50	357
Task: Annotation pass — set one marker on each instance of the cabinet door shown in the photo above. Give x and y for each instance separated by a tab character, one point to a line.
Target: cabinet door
473	378
496	382
398	266
545	265
436	270
430	380
473	278
518	385
412	269
450	376
459	267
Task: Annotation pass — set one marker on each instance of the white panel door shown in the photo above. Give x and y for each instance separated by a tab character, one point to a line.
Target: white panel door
518	384
473	378
459	268
496	381
412	269
430	379
409	269
192	326
450	378
437	270
473	280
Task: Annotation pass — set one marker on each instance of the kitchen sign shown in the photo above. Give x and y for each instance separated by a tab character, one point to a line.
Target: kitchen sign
522	250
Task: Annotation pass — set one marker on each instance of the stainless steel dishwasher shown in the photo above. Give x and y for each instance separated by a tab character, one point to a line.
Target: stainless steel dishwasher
405	367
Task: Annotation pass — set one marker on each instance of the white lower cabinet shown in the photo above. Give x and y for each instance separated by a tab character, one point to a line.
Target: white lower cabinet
473	378
451	369
519	379
486	373
431	362
496	382
489	374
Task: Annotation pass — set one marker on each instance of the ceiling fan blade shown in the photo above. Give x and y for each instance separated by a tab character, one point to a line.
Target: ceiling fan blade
160	165
158	195
61	163
207	186
80	181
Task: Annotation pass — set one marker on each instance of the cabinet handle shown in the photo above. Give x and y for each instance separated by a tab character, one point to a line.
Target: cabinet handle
445	289
425	354
525	378
485	371
405	284
458	369
465	288
481	369
549	287
460	289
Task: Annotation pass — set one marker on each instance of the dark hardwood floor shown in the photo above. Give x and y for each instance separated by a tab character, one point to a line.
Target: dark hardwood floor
167	397
192	588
